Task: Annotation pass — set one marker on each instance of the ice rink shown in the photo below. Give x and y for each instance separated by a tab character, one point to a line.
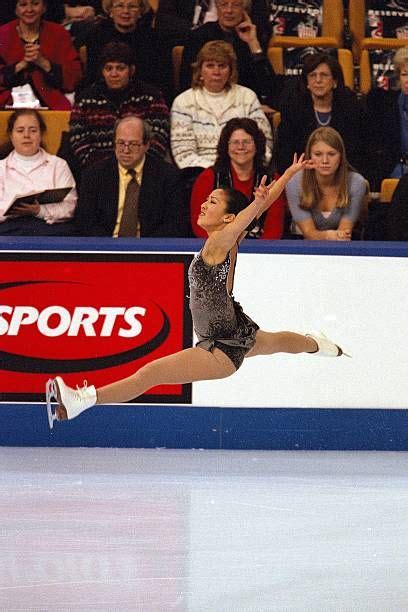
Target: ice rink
203	531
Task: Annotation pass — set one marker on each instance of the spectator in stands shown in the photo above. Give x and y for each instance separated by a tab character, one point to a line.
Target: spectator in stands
176	18
325	201
27	169
159	209
116	95
57	10
71	11
39	55
235	27
397	213
240	164
320	98
388	121
77	16
129	22
199	114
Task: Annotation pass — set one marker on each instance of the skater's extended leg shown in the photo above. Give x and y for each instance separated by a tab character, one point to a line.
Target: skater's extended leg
186	366
190	365
268	343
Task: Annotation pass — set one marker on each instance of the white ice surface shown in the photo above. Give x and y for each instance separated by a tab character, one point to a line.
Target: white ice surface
202	531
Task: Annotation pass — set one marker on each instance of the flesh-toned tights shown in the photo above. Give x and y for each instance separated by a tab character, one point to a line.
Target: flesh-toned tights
194	364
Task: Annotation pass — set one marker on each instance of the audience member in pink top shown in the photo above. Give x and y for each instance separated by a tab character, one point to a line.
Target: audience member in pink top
29	168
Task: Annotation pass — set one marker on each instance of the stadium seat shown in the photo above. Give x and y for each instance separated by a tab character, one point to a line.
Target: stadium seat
357	22
388	186
366	70
177	56
332	30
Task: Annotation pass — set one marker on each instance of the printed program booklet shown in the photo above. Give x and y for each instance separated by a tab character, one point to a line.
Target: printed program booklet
49	196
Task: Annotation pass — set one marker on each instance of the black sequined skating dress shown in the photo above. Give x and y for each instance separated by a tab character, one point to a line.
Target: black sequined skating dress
218	319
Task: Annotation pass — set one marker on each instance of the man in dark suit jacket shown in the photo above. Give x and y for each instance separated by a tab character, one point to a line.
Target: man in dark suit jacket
162	202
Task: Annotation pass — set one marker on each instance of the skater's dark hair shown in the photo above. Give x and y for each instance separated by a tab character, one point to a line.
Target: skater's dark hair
236	201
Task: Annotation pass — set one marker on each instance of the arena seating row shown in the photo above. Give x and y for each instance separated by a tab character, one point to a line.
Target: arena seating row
373	27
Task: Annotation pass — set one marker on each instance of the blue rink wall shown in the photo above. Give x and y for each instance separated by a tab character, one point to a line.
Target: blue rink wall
379	424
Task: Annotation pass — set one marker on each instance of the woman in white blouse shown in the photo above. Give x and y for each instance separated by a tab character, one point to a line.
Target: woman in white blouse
30	169
199	114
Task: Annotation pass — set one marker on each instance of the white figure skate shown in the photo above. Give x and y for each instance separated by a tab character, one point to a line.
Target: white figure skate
326	347
73	401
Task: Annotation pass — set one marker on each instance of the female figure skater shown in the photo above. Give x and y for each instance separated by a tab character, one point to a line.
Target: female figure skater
226	334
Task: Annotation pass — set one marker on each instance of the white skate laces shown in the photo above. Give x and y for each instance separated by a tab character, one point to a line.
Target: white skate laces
73	401
326	347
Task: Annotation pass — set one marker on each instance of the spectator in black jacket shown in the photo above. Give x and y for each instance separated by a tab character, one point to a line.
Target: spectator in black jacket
236	27
129	22
176	18
320	98
162	206
397	217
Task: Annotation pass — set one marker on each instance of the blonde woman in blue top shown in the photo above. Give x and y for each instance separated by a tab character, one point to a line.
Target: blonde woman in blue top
325	199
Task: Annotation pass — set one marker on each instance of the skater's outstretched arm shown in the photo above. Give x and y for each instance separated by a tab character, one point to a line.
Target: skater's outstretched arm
265	195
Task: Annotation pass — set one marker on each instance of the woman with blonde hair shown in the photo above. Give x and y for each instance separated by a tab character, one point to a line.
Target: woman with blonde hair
325	199
199	114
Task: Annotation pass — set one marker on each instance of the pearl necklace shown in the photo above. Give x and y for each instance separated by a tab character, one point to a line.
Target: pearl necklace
319	121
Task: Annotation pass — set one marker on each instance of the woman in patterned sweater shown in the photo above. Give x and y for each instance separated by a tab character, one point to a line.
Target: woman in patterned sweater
199	114
116	95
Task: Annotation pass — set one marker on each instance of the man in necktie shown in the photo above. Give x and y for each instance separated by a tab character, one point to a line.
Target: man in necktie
129	225
132	194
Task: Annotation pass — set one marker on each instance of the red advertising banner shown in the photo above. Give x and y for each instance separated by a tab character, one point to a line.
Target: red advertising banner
91	316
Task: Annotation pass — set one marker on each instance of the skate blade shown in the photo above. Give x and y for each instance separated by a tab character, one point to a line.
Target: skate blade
51	394
343	353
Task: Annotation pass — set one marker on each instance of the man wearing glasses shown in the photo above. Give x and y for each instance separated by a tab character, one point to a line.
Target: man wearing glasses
132	194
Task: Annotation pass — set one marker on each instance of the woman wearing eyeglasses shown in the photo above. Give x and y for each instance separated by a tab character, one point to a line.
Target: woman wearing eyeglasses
39	56
320	99
129	22
116	94
240	164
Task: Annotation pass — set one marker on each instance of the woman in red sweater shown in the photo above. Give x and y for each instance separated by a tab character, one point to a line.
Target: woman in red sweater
39	53
239	164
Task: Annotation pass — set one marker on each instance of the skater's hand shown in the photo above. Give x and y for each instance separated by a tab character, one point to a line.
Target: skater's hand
261	192
299	164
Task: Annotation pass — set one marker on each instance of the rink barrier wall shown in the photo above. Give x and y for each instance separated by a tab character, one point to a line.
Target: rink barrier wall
233	427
